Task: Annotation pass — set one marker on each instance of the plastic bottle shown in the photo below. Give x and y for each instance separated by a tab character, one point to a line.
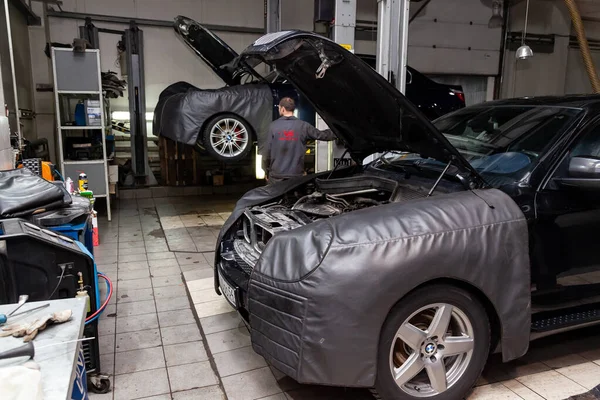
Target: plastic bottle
69	185
80	114
83	182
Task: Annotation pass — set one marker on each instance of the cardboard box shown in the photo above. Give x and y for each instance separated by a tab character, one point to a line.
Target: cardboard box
113	173
218	180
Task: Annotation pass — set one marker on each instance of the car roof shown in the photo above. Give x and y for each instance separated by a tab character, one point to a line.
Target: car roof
579	101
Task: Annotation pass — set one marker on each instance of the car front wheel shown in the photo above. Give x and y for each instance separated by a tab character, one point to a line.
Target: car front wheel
434	344
227	138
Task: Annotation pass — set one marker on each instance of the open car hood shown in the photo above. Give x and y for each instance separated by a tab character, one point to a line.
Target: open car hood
212	49
358	104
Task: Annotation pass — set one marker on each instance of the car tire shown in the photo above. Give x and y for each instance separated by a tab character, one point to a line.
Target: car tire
417	321
227	137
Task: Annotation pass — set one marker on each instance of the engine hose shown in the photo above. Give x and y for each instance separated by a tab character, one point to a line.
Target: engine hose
99	311
584	47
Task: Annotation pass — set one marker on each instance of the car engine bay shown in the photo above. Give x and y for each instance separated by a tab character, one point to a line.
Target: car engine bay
322	198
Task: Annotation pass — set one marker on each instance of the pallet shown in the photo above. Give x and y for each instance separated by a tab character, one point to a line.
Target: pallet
183	165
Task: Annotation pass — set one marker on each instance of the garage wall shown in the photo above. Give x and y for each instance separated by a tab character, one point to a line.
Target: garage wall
441	39
560	72
167	59
577	80
23	69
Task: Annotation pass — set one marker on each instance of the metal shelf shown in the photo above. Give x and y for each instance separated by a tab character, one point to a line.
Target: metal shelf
83	128
83	162
78	92
76	77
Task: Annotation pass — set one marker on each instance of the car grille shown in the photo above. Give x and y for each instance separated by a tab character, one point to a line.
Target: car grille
242	264
255	235
245	255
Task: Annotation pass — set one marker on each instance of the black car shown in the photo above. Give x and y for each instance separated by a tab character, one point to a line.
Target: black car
433	99
471	235
225	122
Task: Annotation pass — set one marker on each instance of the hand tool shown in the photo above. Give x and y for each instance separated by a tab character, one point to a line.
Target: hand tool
28	350
4	317
22	300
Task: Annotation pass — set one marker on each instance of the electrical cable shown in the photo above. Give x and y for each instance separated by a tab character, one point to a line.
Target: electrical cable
62	275
99	311
59	175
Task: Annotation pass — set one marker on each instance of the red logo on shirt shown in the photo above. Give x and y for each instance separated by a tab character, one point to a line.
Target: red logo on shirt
287	135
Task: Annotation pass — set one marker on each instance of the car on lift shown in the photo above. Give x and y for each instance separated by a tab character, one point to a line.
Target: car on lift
471	235
226	122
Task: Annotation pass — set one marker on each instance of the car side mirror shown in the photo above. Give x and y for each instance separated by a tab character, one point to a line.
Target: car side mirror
583	173
584	167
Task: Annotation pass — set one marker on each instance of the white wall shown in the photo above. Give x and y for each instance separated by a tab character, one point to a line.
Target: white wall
167	60
452	37
562	71
22	61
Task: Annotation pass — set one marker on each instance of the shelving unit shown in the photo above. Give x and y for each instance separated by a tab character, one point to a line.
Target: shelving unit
82	144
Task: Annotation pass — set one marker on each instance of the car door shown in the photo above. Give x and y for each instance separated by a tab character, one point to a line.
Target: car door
568	214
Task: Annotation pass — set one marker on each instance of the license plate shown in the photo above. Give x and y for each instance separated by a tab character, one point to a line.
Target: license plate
228	291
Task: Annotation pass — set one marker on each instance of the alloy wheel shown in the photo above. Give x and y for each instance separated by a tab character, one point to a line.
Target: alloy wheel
229	137
431	350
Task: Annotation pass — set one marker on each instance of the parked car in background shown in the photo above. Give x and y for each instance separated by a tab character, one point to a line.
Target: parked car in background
469	235
226	122
433	99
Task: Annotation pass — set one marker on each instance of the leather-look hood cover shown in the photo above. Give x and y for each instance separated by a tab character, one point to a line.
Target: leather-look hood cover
22	193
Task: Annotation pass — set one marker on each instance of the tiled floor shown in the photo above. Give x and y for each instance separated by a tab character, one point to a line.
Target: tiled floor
158	252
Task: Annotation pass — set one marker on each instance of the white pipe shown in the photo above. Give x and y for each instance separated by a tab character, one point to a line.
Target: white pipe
12	67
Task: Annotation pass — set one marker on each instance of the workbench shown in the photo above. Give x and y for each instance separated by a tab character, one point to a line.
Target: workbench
58	364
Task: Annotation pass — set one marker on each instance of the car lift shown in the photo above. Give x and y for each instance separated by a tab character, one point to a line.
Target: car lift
392	52
132	40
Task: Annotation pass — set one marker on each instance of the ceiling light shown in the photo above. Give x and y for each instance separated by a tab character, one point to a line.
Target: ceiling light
496	21
524	52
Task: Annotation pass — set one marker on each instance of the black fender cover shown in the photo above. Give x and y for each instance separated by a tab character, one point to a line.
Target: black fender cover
182	109
319	294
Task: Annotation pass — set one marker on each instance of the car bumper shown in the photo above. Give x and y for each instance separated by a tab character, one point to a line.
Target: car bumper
266	311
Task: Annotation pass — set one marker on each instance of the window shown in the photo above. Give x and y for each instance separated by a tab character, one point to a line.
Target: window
503	143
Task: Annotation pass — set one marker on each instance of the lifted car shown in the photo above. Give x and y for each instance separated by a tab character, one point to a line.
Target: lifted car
471	235
226	122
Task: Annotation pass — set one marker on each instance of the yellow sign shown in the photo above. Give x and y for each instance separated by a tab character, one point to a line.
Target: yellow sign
346	46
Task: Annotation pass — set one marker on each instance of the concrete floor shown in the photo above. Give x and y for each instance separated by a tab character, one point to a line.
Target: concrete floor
167	335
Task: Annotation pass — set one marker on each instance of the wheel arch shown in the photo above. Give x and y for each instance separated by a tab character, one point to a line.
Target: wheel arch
490	309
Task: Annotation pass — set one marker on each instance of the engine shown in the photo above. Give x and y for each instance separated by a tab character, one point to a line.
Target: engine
321	199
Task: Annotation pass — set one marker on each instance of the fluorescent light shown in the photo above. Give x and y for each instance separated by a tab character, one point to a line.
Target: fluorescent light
260	173
124	116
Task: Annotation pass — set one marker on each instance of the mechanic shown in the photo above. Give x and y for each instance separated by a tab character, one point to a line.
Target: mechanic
285	146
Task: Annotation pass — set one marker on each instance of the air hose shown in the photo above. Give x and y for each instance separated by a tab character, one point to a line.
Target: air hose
99	311
584	47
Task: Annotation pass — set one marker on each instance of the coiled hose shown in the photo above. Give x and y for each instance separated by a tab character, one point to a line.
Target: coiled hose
584	47
109	285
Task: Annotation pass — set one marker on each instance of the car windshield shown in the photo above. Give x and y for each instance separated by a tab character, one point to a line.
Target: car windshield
502	143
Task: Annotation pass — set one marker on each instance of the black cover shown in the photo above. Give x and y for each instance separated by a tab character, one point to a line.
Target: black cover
183	109
23	193
319	294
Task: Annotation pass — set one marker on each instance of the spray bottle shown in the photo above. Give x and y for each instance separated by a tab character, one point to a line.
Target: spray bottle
83	293
83	181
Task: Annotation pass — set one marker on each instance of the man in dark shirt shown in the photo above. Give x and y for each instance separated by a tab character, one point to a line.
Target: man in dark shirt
285	145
